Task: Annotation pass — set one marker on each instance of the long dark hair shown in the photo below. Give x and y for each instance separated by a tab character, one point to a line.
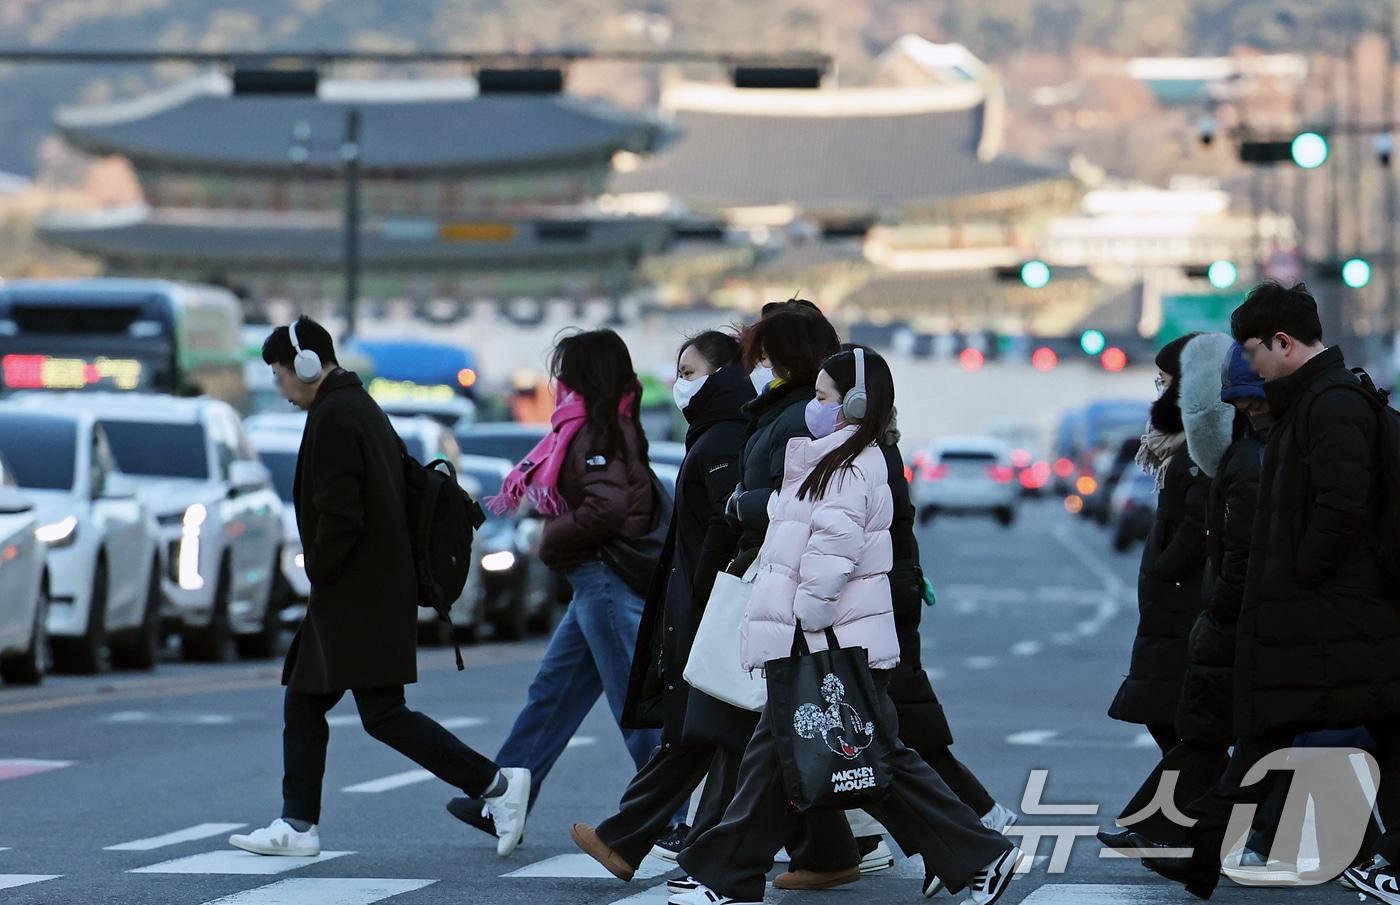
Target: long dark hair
596	365
795	338
719	349
879	394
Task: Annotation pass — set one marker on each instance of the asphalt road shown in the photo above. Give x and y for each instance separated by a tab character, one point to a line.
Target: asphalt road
123	789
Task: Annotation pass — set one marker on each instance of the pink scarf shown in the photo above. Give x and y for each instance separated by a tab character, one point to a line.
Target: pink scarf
537	475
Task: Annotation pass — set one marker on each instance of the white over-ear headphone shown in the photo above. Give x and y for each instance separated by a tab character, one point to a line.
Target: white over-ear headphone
306	364
853	407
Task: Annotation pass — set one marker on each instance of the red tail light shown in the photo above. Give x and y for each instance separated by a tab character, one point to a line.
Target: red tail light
908	475
1020	458
1064	467
934	472
1002	474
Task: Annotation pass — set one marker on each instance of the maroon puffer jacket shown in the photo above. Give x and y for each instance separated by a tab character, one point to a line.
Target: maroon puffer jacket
608	496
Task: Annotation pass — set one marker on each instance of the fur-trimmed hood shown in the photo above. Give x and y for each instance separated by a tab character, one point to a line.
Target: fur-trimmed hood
1210	423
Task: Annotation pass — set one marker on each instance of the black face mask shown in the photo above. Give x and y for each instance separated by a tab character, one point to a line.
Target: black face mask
1166	411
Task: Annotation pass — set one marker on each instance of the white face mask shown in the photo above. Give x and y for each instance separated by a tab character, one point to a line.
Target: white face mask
685	390
761	377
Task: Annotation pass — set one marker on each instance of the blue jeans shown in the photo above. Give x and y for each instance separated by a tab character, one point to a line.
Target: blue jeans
590	654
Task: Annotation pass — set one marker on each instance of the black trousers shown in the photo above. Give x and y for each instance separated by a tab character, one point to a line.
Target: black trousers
1212	810
659	789
962	781
305	736
1199	766
922	814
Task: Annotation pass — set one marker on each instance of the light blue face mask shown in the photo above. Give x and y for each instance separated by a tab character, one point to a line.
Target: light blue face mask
822	419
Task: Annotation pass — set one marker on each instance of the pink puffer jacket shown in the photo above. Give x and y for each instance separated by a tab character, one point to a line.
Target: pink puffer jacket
826	561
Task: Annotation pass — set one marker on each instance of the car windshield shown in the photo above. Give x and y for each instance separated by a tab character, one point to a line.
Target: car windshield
967	455
513	446
158	450
283	466
41	452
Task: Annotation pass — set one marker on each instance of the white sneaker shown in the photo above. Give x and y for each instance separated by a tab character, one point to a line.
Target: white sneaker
703	895
508	809
279	838
1000	818
990	882
683	884
880	858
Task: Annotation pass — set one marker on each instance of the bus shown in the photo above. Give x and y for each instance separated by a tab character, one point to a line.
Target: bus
121	334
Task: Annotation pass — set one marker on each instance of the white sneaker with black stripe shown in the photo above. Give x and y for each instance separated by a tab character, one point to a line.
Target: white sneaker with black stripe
682	884
989	883
877	859
703	895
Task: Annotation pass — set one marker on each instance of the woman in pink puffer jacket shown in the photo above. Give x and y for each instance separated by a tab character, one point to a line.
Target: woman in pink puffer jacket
825	563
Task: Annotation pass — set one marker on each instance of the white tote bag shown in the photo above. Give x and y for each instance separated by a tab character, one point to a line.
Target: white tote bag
713	666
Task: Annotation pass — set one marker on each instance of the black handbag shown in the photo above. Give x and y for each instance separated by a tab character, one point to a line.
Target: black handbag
831	744
635	559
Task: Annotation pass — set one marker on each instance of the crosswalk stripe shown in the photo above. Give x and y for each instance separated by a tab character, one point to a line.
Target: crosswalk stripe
323	891
656	895
10	881
188	834
1103	894
393	781
462	722
16	767
231	861
581	866
581	741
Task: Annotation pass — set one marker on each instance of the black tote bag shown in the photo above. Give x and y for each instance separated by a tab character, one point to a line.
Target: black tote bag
834	752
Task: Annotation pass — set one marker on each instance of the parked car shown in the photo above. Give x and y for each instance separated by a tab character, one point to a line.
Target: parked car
1133	507
291	589
427	440
516	584
24	601
966	475
501	439
220	518
104	557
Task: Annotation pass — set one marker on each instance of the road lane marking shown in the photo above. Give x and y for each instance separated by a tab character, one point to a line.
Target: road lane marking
1026	648
17	767
323	891
387	783
1103	894
581	741
581	866
455	722
10	881
233	861
188	834
656	895
980	662
1050	738
171	719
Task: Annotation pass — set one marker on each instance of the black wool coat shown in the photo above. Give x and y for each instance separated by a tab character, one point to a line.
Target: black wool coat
1170	597
699	545
361	625
1318	629
1205	712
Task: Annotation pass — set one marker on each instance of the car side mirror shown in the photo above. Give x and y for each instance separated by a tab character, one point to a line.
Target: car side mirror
118	487
245	475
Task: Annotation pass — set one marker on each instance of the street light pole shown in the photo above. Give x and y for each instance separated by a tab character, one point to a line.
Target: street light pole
350	155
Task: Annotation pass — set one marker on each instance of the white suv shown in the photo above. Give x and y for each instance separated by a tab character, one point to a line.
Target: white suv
279	446
23	587
104	557
220	518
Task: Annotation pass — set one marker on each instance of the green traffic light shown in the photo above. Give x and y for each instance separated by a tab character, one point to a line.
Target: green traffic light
1356	273
1223	274
1092	342
1035	274
1309	150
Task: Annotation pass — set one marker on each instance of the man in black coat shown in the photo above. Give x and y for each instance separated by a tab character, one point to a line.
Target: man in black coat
1318	627
360	630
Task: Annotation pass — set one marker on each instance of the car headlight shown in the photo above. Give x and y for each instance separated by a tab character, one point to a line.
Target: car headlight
293	559
58	534
187	565
499	561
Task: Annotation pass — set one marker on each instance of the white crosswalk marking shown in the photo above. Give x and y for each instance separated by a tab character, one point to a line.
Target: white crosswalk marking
174	719
392	781
581	741
1103	894
452	722
10	881
323	891
189	834
230	861
656	895
581	866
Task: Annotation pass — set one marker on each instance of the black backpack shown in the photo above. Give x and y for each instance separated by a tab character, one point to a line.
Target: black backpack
1385	532
442	521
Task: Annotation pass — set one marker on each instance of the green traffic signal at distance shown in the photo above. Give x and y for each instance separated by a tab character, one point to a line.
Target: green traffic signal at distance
1035	274
1223	274
1092	342
1356	272
1309	150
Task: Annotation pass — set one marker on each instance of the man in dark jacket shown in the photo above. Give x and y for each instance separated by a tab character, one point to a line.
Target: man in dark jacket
1318	628
360	630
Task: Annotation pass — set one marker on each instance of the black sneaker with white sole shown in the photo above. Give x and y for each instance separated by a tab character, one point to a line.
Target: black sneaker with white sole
1380	883
670	846
989	883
